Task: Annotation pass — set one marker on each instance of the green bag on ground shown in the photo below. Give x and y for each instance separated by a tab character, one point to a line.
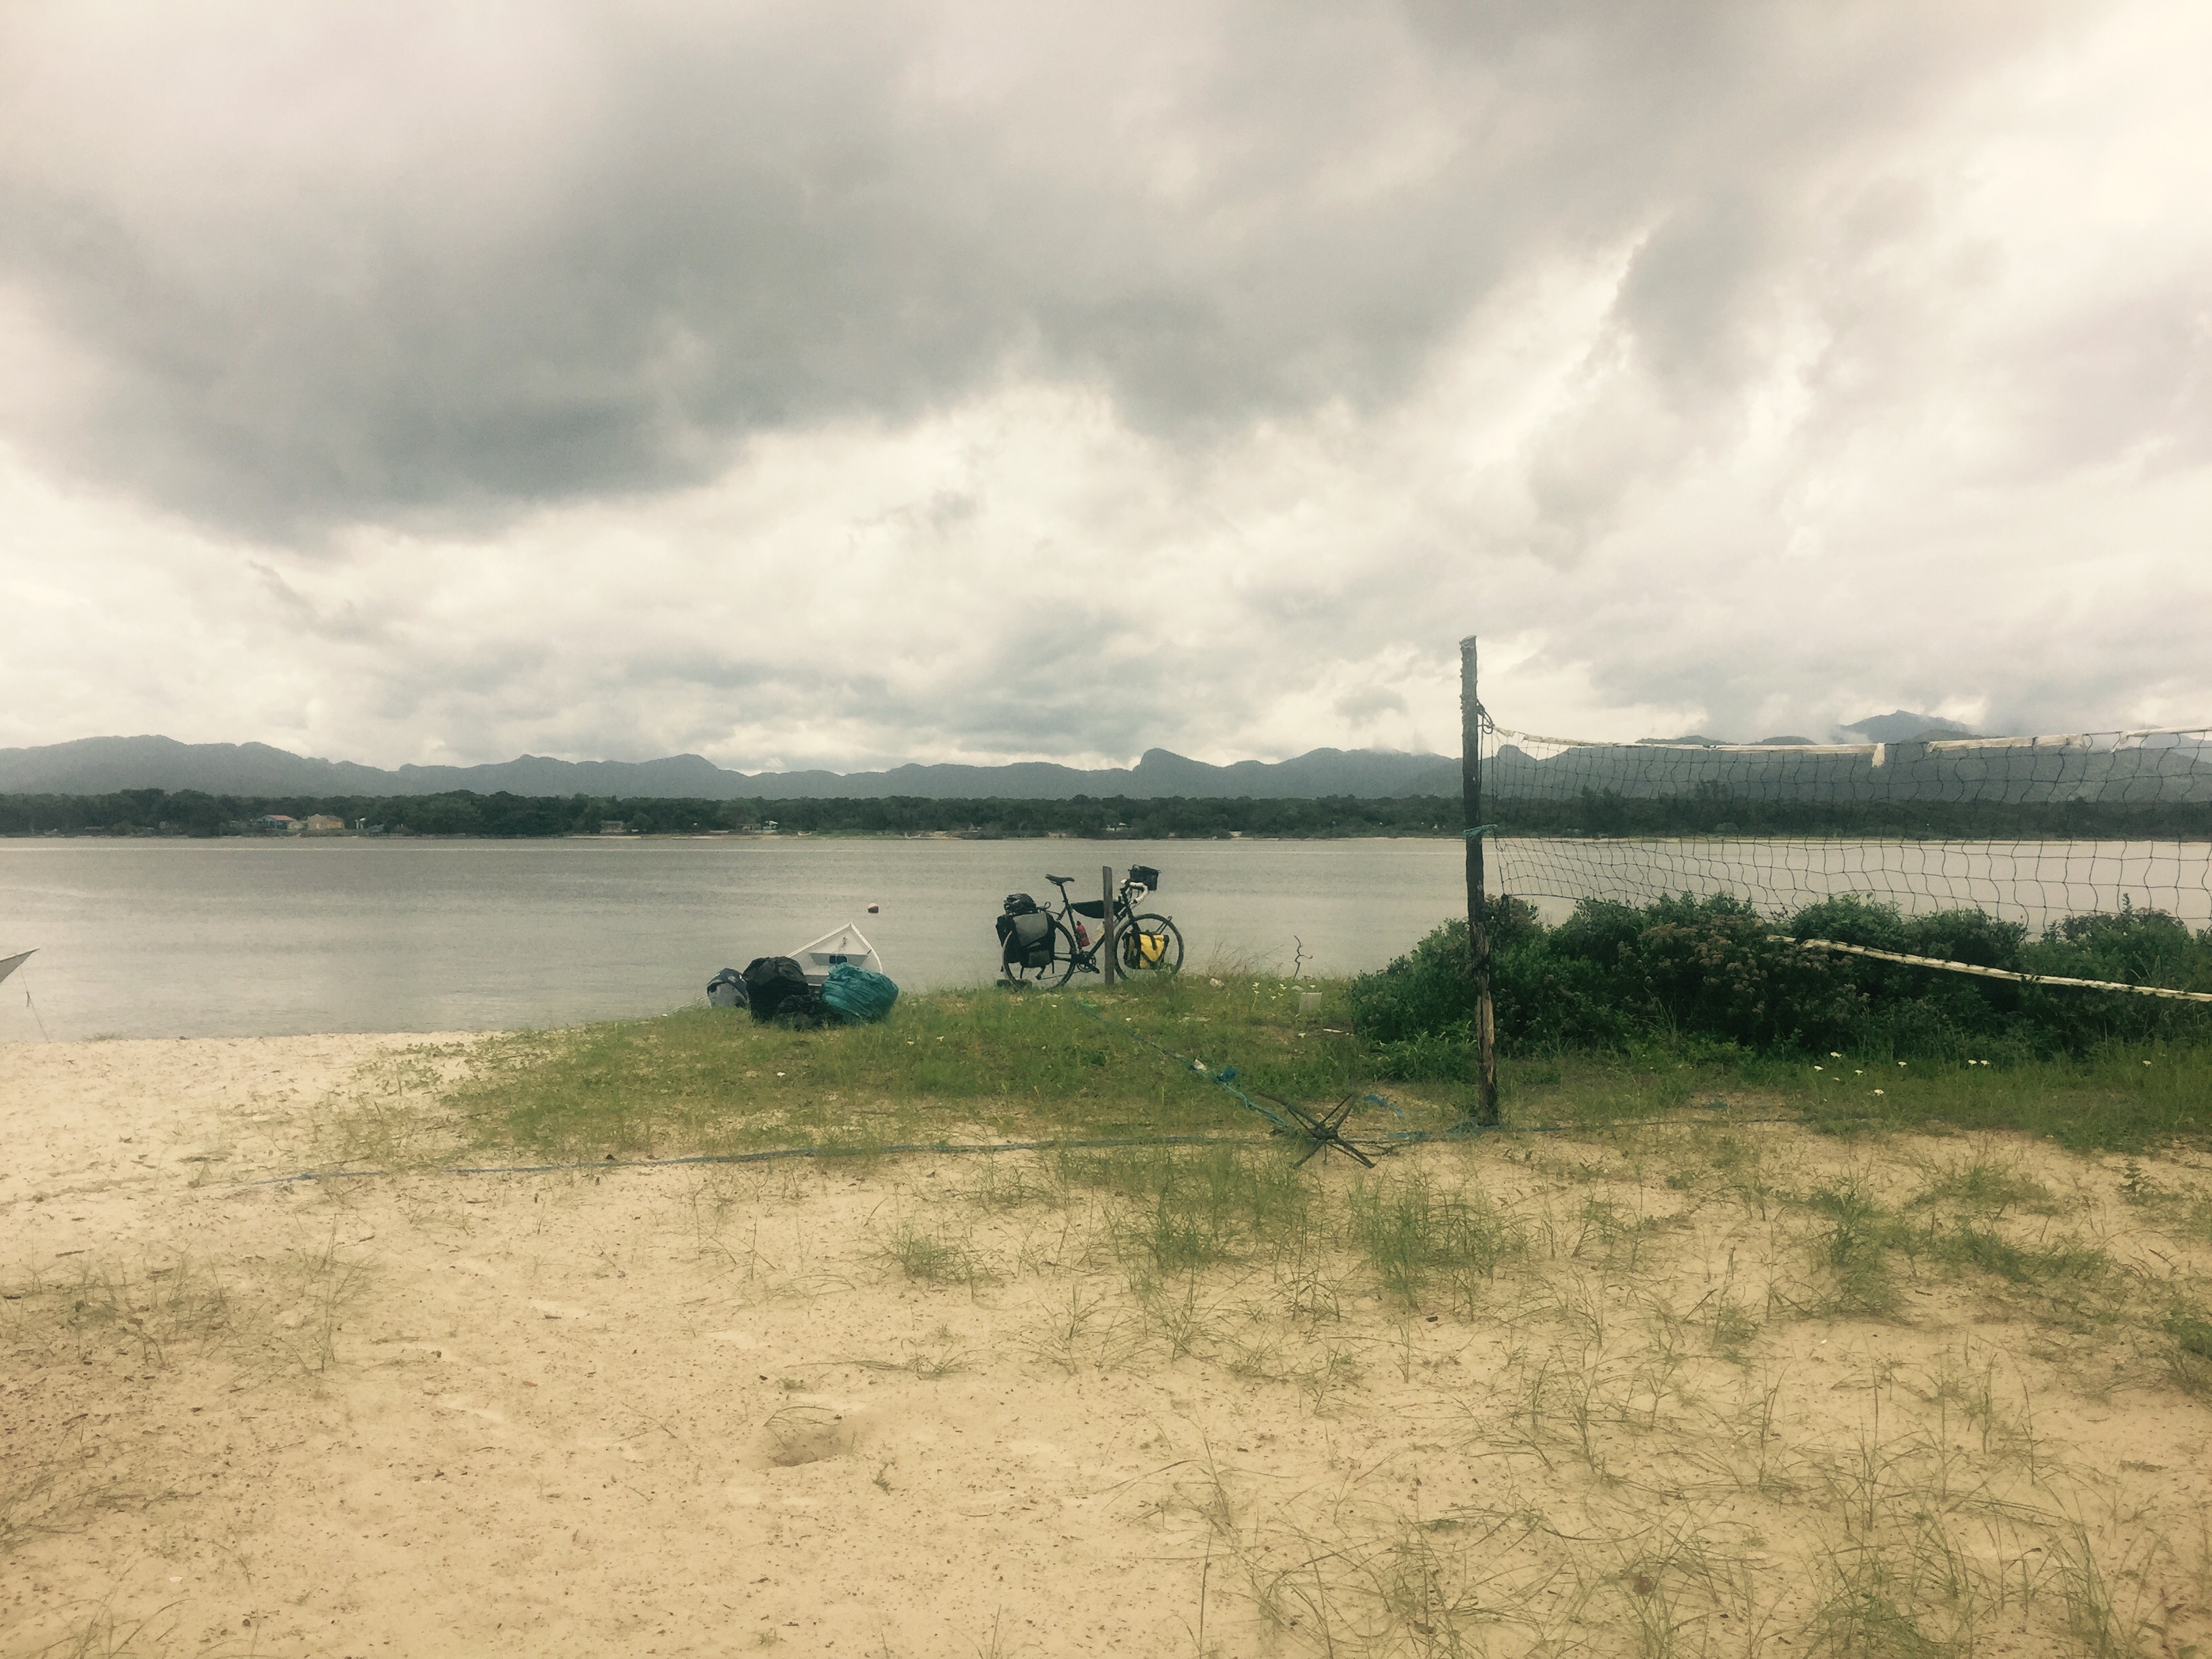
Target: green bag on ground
856	993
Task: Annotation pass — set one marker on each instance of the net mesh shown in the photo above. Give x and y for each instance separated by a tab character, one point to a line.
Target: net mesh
2030	830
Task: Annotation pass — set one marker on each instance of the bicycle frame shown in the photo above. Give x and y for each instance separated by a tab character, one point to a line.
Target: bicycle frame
1143	942
1127	897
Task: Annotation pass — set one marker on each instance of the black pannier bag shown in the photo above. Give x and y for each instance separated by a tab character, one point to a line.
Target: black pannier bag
1026	938
1145	875
726	990
777	986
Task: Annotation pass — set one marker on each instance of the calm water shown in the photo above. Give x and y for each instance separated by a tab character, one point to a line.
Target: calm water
251	938
254	937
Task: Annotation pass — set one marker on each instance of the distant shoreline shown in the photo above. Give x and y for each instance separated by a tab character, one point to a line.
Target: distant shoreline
677	835
1600	815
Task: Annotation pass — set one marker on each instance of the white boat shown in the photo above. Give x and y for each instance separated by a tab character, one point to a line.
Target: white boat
10	965
846	944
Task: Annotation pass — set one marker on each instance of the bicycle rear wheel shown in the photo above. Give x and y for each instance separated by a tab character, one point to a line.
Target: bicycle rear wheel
1147	945
1049	966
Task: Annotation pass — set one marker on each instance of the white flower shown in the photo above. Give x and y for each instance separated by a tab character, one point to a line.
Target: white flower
1819	1068
1877	1091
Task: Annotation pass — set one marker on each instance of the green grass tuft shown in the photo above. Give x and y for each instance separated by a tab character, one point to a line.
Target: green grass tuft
1423	1238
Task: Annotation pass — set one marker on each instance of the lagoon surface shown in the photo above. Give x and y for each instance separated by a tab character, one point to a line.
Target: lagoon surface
240	937
253	938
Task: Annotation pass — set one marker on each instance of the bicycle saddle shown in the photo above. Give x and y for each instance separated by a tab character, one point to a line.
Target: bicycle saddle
1060	881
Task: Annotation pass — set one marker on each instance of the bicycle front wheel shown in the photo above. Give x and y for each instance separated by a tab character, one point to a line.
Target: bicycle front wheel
1147	945
1046	966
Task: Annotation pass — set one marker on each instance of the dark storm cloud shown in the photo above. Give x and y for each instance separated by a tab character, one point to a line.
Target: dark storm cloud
586	251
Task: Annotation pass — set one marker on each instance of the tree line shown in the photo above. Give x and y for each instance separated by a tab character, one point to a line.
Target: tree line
1706	812
463	813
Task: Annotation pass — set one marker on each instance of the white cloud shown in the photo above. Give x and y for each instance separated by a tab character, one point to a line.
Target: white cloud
848	388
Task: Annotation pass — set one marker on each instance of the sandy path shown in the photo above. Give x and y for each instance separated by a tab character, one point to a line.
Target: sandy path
703	1410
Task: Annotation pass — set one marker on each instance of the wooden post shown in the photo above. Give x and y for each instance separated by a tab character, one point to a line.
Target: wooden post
1477	931
1106	924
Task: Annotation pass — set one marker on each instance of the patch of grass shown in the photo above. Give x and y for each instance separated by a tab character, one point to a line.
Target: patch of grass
1078	1331
321	1284
151	1309
1852	1250
2040	1267
705	1081
2107	1100
1170	1210
1984	1186
1066	1064
1734	1329
1423	1238
942	1356
1319	1375
933	1259
1178	1310
106	1636
2190	1362
394	1115
2093	1620
54	1489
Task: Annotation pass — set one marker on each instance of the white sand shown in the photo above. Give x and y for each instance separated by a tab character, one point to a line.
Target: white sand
690	1410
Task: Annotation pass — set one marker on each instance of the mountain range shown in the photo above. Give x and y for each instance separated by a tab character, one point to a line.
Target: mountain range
92	766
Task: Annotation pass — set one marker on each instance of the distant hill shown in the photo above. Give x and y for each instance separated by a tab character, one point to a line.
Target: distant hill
1903	728
93	766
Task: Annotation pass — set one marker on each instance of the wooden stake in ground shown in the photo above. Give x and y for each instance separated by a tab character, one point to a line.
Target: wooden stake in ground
1478	932
1106	922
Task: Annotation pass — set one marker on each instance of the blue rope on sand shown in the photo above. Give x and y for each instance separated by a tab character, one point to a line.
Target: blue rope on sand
1390	1140
1226	1077
1466	1129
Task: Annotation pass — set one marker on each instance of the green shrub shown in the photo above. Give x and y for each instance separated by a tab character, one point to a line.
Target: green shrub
1613	976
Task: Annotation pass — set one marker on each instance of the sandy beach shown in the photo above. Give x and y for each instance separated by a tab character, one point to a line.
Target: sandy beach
925	1406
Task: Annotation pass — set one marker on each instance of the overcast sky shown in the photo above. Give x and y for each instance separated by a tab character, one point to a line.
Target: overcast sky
837	384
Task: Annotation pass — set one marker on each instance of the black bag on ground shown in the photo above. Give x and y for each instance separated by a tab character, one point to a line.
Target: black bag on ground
728	990
777	985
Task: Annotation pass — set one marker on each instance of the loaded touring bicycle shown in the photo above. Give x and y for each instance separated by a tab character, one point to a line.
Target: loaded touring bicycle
1044	947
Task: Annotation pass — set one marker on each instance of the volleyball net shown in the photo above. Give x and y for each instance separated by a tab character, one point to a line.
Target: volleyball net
2031	830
